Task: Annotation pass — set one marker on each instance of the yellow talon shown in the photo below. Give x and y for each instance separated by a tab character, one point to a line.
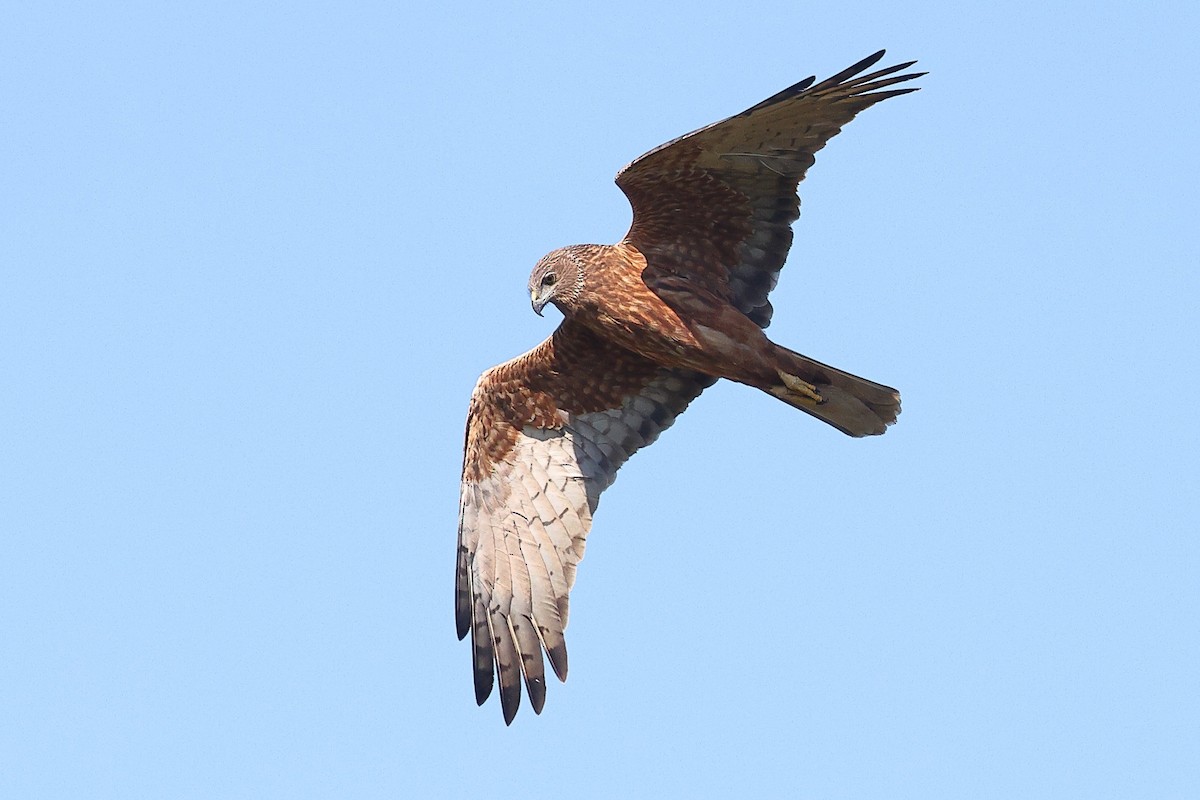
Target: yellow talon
800	387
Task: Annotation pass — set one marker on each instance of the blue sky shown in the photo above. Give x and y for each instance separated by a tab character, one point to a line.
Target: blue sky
252	260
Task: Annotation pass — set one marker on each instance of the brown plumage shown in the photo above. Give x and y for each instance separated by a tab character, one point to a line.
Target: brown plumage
649	323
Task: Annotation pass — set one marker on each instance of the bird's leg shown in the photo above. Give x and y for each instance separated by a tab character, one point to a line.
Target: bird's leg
801	387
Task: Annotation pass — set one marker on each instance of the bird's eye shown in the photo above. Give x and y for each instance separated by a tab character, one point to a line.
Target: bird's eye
550	279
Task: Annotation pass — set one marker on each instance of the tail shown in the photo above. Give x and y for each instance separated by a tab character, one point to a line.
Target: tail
853	405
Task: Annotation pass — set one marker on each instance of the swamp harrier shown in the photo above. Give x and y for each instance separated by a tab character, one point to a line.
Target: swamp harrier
649	323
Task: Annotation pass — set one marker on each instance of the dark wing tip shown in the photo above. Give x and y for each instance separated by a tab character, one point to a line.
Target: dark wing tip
851	77
779	97
852	70
483	677
558	660
537	692
864	83
870	60
483	688
877	96
482	655
510	700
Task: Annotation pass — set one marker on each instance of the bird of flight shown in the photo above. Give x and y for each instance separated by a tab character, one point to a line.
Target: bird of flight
649	323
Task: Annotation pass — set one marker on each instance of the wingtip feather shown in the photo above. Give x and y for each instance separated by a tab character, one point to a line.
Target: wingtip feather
508	665
851	71
483	655
558	660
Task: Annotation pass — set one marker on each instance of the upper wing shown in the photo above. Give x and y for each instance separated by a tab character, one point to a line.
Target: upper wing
716	206
546	433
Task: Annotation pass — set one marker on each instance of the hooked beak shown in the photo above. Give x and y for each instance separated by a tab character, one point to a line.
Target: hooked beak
538	305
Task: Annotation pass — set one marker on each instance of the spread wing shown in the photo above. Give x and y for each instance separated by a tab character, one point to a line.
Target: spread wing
716	206
546	434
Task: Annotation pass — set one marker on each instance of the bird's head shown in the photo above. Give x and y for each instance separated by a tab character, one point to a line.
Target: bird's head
558	279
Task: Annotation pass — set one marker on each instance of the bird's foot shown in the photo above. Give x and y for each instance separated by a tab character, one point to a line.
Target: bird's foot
795	385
